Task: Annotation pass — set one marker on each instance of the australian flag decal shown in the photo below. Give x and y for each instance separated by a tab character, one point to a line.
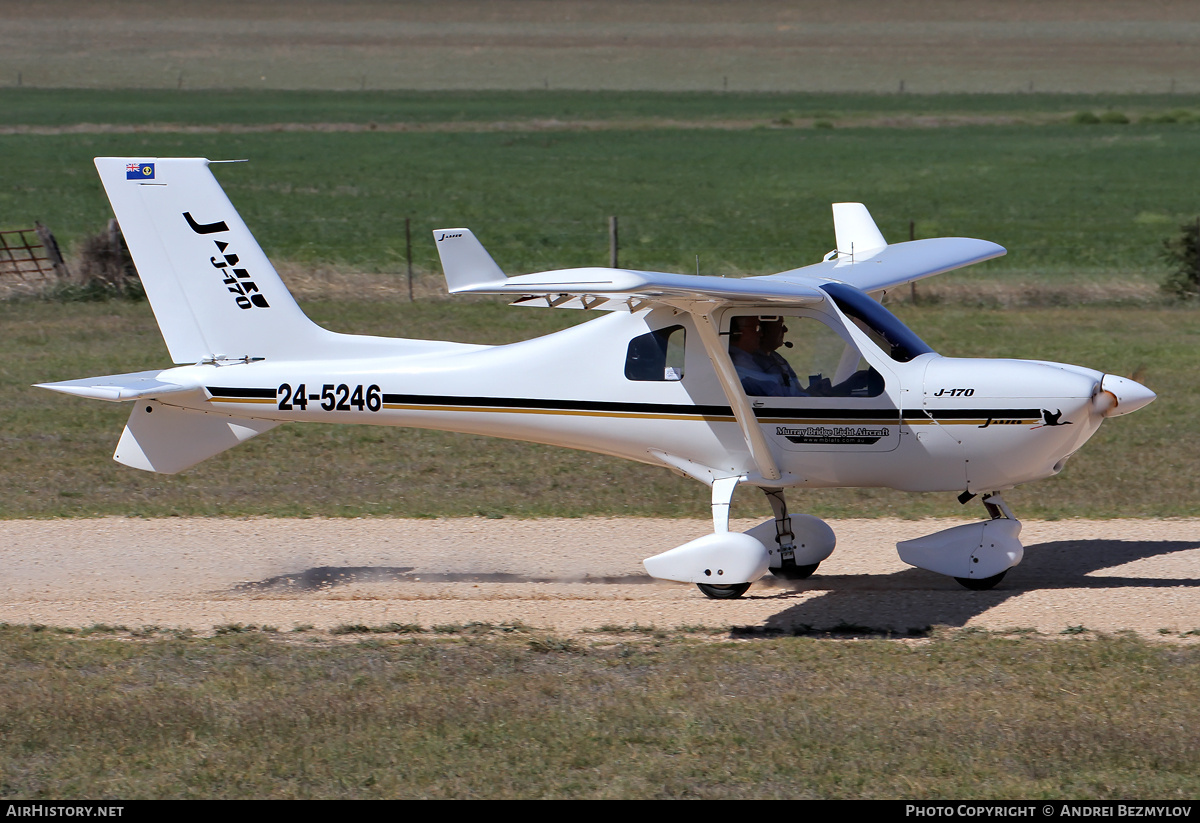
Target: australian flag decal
139	171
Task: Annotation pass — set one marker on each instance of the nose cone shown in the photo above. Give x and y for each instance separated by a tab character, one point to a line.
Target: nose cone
1120	395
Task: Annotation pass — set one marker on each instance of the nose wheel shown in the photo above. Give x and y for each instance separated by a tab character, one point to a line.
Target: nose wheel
977	585
977	555
723	592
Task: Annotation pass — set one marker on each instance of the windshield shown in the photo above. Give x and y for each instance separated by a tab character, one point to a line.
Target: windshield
796	355
885	329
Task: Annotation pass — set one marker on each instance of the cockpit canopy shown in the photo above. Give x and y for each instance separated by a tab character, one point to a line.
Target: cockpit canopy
895	339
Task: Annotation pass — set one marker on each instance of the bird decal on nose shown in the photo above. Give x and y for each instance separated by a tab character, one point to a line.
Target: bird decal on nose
1052	419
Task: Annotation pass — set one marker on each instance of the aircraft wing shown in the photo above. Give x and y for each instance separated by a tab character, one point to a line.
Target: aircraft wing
471	270
594	286
894	265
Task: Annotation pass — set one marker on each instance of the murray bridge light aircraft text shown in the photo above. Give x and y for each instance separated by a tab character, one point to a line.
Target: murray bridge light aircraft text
796	380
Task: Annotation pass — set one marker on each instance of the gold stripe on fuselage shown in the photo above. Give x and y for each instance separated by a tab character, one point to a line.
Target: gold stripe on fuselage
726	418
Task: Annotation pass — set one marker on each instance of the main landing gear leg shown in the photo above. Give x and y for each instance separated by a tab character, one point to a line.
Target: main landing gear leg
722	496
785	539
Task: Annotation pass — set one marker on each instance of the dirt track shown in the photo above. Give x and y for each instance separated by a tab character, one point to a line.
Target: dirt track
568	575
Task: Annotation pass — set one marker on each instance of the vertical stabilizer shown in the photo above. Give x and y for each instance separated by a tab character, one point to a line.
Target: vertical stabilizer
213	291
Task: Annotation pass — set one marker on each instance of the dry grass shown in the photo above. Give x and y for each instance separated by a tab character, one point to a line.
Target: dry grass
537	125
511	712
327	282
1024	291
763	45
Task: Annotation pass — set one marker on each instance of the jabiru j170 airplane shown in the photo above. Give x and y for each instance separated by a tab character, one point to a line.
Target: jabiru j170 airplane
791	381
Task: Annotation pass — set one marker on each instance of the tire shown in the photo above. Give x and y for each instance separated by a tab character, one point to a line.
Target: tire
795	572
981	585
730	592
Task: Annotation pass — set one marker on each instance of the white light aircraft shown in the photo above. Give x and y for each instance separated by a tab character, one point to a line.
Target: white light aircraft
796	380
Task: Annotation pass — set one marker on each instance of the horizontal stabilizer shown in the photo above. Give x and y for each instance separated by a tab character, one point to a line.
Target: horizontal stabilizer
465	261
118	387
168	439
856	232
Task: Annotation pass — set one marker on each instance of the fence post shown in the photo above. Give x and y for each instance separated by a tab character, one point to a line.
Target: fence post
50	244
612	242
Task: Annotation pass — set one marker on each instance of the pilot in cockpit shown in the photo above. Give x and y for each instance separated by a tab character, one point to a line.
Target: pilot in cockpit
753	348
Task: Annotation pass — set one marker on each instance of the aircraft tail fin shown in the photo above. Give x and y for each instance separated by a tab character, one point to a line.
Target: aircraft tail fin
856	231
169	439
467	264
213	290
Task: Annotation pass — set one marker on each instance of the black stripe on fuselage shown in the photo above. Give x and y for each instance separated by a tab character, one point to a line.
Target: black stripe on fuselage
564	405
973	414
222	391
656	408
630	408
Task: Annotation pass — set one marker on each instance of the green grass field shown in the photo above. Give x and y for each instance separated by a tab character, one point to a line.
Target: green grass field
1069	201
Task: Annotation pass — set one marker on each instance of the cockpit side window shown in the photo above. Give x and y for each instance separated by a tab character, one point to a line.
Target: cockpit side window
797	356
657	356
897	340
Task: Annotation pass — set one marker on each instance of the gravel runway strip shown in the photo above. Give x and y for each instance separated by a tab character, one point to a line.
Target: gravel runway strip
572	575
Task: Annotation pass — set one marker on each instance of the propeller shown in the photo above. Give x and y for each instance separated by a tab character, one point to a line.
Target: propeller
1117	395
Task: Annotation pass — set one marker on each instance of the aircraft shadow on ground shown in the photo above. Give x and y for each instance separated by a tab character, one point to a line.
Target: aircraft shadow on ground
321	578
926	599
923	598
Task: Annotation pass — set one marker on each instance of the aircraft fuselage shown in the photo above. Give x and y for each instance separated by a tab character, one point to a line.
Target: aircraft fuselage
940	423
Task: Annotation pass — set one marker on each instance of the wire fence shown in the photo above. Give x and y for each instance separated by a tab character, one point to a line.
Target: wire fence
30	255
682	245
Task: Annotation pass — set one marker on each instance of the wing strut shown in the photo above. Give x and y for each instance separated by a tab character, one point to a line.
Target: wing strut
706	326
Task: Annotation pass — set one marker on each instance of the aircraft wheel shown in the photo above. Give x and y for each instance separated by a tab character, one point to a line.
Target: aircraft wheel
729	592
795	572
983	585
